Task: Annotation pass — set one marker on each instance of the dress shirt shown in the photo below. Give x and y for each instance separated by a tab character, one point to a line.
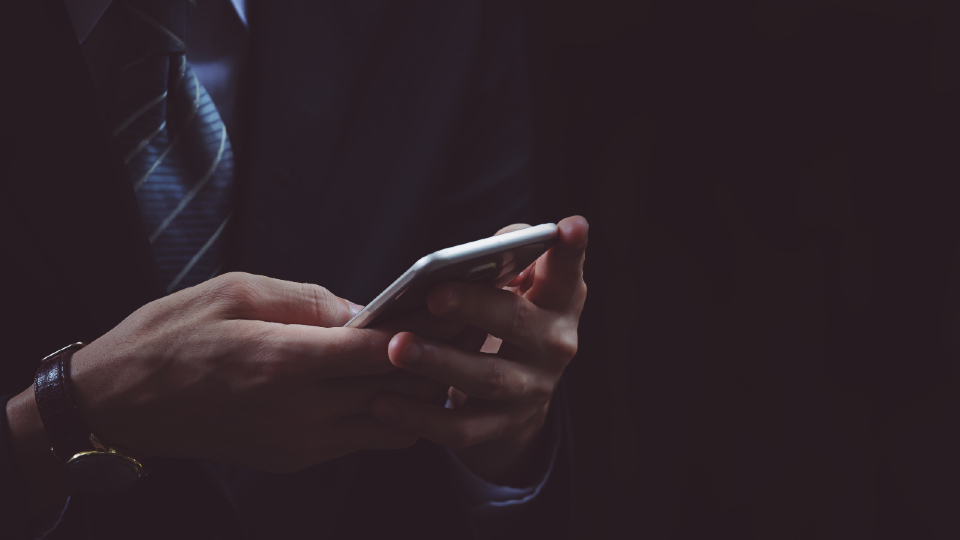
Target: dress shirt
216	49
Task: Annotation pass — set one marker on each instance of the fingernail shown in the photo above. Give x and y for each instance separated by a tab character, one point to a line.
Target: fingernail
354	308
412	353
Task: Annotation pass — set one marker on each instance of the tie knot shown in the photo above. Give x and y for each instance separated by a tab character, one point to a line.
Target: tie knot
162	25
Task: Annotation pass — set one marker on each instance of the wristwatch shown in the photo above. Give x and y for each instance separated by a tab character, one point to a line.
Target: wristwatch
89	466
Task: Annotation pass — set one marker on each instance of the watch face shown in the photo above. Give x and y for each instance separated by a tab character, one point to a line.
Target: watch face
102	473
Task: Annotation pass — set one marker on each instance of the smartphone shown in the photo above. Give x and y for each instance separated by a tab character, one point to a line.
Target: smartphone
489	260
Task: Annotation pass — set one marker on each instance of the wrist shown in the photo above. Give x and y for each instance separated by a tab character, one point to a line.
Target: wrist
88	465
89	389
512	461
39	470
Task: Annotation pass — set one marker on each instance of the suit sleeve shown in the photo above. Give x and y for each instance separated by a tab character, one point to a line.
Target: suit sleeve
12	512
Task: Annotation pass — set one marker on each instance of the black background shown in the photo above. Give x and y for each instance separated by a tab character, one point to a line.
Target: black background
769	346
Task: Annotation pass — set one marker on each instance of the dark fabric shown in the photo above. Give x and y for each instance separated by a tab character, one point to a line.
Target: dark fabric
425	100
11	487
377	131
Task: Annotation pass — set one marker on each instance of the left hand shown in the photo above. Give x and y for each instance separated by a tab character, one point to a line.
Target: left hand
500	398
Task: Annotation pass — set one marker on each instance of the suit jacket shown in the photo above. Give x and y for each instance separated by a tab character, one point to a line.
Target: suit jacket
376	131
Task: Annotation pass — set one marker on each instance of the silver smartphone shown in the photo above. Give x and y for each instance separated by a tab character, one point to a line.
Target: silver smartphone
487	260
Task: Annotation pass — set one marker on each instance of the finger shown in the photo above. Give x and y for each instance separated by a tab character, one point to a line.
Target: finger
365	432
559	275
523	277
424	323
456	397
470	339
478	375
511	352
511	275
511	228
351	395
275	352
453	428
247	296
501	313
506	279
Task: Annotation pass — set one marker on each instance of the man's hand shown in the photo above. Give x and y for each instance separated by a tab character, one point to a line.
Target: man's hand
500	401
241	369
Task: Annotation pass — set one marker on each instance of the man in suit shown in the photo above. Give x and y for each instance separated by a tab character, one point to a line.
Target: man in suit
334	143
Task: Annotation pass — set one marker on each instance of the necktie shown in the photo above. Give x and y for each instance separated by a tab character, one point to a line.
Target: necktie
174	144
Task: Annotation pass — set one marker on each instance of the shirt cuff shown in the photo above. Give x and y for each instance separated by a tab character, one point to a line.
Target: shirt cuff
490	507
48	521
13	523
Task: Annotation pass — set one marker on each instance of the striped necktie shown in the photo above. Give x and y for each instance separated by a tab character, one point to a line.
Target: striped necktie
174	145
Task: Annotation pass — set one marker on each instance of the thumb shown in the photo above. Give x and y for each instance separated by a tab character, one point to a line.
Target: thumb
558	275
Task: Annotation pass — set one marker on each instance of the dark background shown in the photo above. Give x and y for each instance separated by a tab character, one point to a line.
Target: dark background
769	346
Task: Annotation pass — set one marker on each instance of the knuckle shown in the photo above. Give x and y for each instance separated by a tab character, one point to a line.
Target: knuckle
535	387
568	346
496	378
521	317
264	357
236	290
563	342
540	390
320	301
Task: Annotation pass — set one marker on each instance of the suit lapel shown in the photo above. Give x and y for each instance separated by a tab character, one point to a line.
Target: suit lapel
62	173
307	66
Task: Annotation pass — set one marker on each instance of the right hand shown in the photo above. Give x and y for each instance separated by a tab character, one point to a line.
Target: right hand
242	369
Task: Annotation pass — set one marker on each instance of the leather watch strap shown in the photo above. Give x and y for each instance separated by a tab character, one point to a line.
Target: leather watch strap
57	405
